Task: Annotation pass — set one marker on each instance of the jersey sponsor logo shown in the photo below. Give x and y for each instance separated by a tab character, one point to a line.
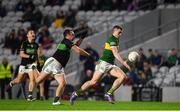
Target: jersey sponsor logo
107	46
31	51
61	47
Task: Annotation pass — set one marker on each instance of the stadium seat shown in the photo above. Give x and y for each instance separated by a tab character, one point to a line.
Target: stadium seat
157	81
10	24
77	2
167	82
170	6
119	19
37	2
102	19
69	2
98	13
123	13
174	69
106	13
56	8
158	75
89	14
18	24
7	52
178	6
161	6
5	30
65	8
14	19
164	69
141	12
26	25
115	13
74	7
19	14
11	14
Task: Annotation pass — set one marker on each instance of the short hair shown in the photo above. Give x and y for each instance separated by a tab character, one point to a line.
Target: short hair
117	27
67	31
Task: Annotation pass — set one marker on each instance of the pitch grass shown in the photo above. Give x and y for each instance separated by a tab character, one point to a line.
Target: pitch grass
86	105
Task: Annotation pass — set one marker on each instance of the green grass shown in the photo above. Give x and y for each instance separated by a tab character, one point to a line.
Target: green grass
86	105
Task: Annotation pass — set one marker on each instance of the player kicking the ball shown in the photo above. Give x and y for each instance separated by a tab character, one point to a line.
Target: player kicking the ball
55	64
106	65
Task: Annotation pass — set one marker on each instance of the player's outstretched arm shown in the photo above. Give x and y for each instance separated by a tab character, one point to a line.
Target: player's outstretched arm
80	51
119	58
78	43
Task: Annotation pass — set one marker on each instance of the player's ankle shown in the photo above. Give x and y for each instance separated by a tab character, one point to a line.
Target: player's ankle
56	99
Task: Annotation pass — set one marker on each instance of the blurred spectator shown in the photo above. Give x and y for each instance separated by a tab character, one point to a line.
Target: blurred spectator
133	6
86	5
70	19
2	10
116	4
172	58
46	42
106	5
96	5
28	14
43	38
20	6
123	4
146	74
151	56
89	63
158	59
55	2
82	30
58	22
142	58
107	82
170	1
6	71
12	41
37	18
178	59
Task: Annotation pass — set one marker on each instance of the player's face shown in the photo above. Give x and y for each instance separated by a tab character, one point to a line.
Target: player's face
117	32
31	35
72	35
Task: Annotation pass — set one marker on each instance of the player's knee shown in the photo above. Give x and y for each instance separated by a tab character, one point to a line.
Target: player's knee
93	82
64	83
121	76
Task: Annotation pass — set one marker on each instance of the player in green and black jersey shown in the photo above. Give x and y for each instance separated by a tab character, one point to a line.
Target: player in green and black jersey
106	65
29	57
55	65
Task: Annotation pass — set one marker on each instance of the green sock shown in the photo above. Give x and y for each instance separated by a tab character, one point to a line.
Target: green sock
110	91
78	92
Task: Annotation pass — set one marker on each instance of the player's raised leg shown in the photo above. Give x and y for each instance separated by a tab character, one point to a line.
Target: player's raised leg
120	76
96	77
17	80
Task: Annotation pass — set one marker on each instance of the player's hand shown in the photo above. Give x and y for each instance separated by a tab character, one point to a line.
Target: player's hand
127	66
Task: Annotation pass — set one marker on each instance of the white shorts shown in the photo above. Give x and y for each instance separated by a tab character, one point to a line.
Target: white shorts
26	69
53	67
104	67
